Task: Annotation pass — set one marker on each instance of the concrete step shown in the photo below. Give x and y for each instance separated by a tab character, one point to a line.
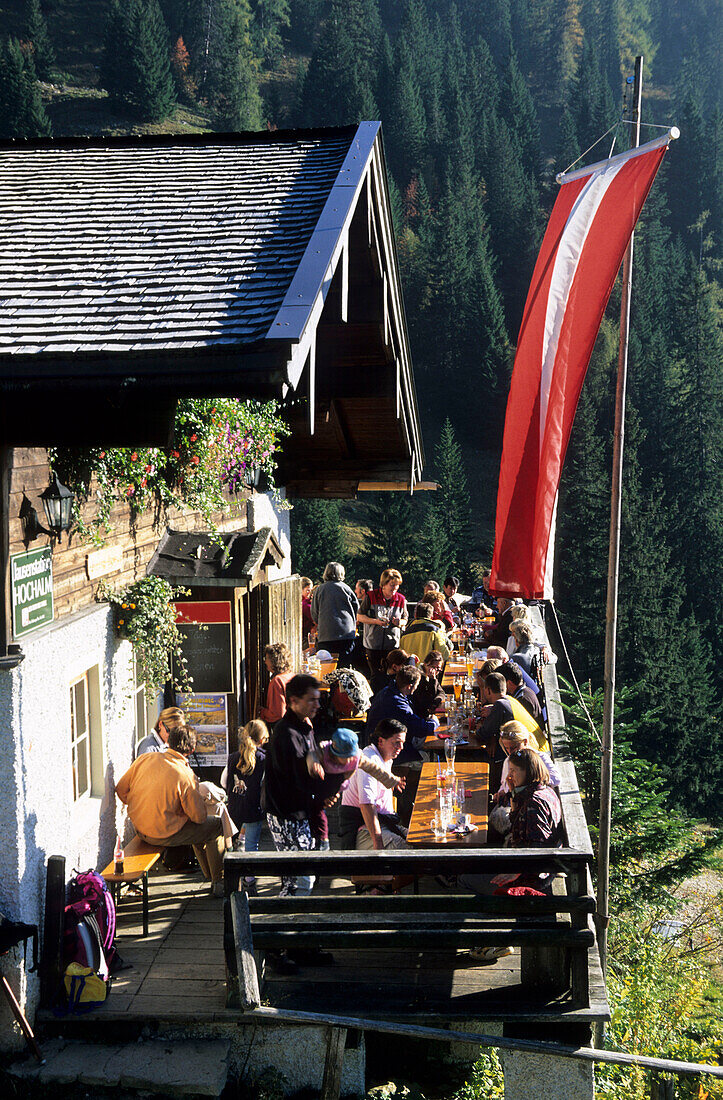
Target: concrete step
190	1068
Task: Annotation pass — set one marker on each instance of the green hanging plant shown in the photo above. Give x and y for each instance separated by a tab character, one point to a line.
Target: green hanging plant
220	445
144	614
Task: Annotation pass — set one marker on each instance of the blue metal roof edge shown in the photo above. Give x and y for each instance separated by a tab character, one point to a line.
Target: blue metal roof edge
316	269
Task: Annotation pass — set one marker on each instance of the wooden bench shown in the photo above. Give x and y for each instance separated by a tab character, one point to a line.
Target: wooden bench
138	858
557	926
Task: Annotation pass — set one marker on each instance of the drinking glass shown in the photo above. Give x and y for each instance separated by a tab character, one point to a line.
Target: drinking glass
470	668
439	829
457	688
450	750
461	795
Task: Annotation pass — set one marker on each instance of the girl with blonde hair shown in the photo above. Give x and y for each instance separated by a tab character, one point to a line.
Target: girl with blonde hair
242	780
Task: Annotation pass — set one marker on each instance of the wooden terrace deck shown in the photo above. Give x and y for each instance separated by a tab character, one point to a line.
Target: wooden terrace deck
177	973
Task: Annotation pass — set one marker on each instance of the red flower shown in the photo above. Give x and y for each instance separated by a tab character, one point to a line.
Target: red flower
143	483
148	469
102	454
194	437
195	460
176	454
134	456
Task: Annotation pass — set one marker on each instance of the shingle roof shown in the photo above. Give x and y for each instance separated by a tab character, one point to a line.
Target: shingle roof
156	246
199	558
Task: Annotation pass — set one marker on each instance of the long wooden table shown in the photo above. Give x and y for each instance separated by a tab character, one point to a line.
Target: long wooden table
476	781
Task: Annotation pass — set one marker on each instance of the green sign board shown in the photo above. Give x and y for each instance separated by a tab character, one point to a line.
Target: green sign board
31	578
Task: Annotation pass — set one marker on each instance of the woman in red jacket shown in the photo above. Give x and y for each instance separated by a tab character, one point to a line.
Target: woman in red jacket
277	659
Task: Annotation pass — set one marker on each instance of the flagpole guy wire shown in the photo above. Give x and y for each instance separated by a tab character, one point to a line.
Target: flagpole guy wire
602	917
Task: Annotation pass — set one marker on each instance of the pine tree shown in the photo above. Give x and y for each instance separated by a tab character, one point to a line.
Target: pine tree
21	111
393	542
567	150
407	123
225	67
517	108
136	67
340	85
448	514
591	101
271	17
317	536
37	33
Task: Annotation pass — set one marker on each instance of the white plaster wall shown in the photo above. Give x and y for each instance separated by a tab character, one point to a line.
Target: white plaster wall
38	817
263	511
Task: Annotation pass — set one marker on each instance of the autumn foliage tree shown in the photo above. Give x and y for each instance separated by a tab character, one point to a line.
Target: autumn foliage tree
181	69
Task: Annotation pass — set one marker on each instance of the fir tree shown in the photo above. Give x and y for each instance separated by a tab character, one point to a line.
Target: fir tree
393	536
271	18
591	101
448	515
21	111
37	33
517	107
317	536
227	76
136	67
340	85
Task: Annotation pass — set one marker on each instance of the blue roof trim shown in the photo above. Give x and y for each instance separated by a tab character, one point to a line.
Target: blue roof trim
314	273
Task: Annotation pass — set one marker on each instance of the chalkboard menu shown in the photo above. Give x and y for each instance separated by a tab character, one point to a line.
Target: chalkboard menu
206	631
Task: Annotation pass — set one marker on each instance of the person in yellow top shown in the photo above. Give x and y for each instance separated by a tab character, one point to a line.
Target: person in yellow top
500	708
167	808
424	634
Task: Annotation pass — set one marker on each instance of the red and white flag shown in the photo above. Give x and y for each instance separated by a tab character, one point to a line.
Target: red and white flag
589	229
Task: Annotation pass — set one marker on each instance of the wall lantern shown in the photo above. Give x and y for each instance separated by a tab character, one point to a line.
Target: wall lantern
58	507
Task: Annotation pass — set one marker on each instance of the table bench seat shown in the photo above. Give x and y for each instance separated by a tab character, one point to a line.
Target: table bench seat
138	859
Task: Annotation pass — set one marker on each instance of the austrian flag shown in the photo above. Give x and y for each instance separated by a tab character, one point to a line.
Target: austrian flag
589	229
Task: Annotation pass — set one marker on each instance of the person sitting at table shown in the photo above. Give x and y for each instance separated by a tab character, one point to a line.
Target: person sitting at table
167	809
394	660
394	701
498	709
278	661
439	609
423	634
429	696
514	736
527	653
536	822
334	763
367	819
518	689
334	609
157	740
481	602
497	653
499	632
451	587
384	615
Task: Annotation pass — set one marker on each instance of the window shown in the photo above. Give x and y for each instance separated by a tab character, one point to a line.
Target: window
80	737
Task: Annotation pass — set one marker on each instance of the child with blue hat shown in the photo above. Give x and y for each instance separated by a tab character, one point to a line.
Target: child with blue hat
332	767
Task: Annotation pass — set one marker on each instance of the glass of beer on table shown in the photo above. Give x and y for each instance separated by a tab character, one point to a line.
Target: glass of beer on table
457	688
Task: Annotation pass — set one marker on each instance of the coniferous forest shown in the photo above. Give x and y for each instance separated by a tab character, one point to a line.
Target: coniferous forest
481	103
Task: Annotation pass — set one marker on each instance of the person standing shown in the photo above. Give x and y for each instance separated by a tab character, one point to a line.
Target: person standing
334	609
287	791
384	614
307	623
241	779
277	658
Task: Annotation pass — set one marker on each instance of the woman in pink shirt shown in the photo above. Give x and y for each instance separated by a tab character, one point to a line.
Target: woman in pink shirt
277	658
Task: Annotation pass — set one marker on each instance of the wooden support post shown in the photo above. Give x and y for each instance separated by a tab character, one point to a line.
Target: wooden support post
662	1088
248	983
334	1064
51	967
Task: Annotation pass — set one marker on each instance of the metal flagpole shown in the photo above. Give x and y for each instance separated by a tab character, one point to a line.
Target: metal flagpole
602	918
